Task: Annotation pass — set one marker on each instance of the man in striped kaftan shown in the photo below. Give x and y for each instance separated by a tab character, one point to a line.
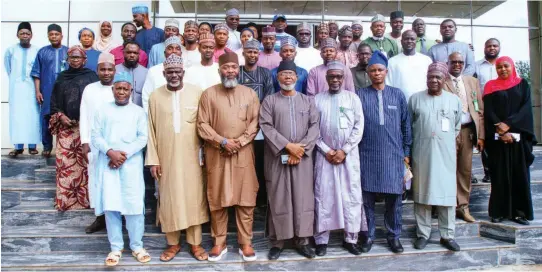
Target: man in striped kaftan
384	150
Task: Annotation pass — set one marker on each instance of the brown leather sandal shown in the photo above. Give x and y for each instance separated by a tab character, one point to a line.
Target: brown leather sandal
170	253
15	152
33	151
198	253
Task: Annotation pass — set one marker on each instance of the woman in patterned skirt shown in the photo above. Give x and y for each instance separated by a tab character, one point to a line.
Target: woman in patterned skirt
71	166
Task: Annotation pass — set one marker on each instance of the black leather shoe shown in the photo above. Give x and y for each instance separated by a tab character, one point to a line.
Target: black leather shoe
352	248
486	179
395	246
450	244
97	225
420	243
306	251
366	246
321	250
496	219
274	253
521	220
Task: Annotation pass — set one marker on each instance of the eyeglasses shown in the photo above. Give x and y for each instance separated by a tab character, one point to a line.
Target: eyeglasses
287	73
334	76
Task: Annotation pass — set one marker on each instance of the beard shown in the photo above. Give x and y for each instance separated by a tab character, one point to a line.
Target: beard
175	85
229	83
130	63
287	87
356	37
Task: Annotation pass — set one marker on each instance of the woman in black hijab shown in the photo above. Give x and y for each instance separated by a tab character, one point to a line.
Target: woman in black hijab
71	165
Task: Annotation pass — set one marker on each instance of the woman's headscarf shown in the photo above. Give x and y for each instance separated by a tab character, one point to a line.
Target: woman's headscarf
77	48
249	30
83	29
498	84
105	43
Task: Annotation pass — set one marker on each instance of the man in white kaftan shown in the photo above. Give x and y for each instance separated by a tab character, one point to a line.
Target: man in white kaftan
94	96
119	134
155	76
204	73
307	56
337	188
408	70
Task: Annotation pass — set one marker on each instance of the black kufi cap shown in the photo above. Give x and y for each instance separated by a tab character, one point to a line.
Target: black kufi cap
286	65
397	14
54	27
24	25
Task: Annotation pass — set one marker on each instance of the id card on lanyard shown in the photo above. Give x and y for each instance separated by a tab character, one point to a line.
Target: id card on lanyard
475	101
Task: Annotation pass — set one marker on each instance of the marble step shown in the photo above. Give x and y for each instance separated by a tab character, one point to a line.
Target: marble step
30	190
14	192
511	231
528	239
43	212
477	252
479	199
50	237
46	174
36	212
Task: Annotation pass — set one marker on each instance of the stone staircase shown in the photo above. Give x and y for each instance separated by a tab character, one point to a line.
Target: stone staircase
37	237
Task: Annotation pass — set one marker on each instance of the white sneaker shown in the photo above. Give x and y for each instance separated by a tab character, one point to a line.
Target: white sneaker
219	257
247	259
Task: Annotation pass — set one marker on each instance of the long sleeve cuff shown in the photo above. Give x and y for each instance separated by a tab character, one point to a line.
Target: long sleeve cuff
324	148
347	148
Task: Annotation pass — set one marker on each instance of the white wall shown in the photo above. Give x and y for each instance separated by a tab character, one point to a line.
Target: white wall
41	13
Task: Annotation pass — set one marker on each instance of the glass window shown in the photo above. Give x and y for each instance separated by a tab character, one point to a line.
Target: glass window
514	42
508	13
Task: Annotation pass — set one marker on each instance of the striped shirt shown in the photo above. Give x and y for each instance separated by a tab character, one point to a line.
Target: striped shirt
386	139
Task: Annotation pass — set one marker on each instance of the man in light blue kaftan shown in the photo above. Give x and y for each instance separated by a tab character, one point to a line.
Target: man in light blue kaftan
337	187
49	62
120	134
24	117
156	55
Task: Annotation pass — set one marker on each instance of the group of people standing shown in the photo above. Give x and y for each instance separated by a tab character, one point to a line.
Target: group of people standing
321	134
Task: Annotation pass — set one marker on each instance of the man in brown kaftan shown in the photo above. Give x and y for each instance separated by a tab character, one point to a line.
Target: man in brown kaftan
228	122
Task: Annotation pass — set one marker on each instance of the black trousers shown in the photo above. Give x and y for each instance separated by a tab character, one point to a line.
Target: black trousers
261	198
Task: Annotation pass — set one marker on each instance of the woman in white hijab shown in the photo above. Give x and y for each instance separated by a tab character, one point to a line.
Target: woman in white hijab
104	41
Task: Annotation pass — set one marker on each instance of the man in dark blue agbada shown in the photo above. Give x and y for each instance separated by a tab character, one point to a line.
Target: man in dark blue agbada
50	61
148	35
384	151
